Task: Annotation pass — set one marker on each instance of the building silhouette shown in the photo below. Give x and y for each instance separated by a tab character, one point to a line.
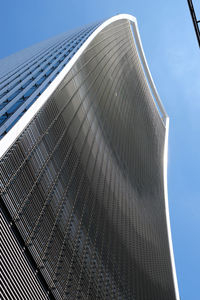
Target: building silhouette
83	164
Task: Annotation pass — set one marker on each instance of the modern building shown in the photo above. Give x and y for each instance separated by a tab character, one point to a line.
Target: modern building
83	164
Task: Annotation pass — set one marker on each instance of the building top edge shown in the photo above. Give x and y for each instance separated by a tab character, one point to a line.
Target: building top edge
15	131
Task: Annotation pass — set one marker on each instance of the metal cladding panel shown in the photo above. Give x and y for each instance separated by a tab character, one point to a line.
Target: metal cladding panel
84	181
18	279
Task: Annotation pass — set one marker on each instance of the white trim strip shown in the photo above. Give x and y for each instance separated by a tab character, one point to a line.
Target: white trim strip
146	69
165	164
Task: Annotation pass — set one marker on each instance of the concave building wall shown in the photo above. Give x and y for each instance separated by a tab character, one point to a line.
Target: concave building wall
83	182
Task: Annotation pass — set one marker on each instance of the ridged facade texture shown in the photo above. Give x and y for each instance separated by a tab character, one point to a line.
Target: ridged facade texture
18	279
84	181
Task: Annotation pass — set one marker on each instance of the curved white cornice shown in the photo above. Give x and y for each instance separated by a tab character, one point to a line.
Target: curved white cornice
11	136
165	164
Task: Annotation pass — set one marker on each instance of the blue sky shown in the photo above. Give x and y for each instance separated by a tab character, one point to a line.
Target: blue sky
173	56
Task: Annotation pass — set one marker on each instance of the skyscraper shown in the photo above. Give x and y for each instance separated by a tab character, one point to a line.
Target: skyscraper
83	167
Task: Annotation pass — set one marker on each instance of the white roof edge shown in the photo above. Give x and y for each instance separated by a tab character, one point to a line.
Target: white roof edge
165	165
7	141
147	71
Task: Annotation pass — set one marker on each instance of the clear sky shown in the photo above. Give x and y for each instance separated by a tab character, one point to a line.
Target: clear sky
173	56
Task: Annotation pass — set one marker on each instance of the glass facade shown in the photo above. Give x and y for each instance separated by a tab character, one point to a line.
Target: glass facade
84	181
31	73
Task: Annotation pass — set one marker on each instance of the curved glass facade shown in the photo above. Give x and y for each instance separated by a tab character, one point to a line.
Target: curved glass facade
25	75
84	181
